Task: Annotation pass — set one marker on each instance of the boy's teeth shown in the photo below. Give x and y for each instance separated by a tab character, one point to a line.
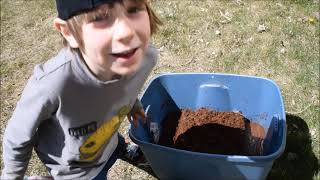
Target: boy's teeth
126	52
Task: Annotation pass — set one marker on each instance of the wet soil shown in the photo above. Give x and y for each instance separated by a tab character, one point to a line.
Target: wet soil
208	131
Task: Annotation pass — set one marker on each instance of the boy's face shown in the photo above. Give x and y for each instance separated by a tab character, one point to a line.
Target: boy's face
115	42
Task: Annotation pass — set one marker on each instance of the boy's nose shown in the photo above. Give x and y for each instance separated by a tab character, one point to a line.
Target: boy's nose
123	31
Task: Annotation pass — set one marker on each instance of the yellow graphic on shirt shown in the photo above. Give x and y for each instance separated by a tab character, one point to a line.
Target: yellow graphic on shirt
95	143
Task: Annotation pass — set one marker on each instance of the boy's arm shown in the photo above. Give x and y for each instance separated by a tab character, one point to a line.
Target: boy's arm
33	107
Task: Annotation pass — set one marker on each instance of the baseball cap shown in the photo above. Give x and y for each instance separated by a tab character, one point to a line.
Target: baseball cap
68	8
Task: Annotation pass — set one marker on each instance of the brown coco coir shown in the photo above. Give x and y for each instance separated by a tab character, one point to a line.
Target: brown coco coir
209	131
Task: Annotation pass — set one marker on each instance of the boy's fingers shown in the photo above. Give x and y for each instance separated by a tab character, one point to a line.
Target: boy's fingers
139	115
129	118
143	116
135	122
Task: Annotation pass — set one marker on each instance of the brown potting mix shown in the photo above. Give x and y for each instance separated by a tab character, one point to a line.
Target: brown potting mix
208	131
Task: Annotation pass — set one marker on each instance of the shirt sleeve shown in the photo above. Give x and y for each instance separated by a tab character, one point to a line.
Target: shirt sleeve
34	107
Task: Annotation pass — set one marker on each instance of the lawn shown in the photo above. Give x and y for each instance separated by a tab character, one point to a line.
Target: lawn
278	40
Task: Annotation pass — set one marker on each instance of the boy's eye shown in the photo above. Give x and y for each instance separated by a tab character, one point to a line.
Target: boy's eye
133	10
101	18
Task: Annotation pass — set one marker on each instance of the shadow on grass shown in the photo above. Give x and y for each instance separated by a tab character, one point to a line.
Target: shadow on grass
298	160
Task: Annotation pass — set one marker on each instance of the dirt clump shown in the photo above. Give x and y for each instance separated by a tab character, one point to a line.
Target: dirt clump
209	131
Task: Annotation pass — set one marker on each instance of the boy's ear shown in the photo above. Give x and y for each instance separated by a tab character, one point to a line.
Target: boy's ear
63	28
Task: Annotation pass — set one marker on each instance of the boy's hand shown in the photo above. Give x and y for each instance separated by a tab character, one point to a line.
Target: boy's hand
137	113
135	116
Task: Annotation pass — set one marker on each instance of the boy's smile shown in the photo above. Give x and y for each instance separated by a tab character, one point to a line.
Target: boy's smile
116	39
125	55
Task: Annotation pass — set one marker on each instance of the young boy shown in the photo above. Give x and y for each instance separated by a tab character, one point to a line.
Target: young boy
73	105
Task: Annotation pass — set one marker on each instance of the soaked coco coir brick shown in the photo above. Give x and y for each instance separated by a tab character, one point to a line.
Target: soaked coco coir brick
213	132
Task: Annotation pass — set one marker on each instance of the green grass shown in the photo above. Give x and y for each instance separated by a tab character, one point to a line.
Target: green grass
288	53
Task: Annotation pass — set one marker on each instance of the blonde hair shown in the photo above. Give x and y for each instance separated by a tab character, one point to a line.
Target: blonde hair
74	23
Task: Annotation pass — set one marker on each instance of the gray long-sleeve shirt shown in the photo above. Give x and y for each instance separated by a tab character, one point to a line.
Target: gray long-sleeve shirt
69	117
